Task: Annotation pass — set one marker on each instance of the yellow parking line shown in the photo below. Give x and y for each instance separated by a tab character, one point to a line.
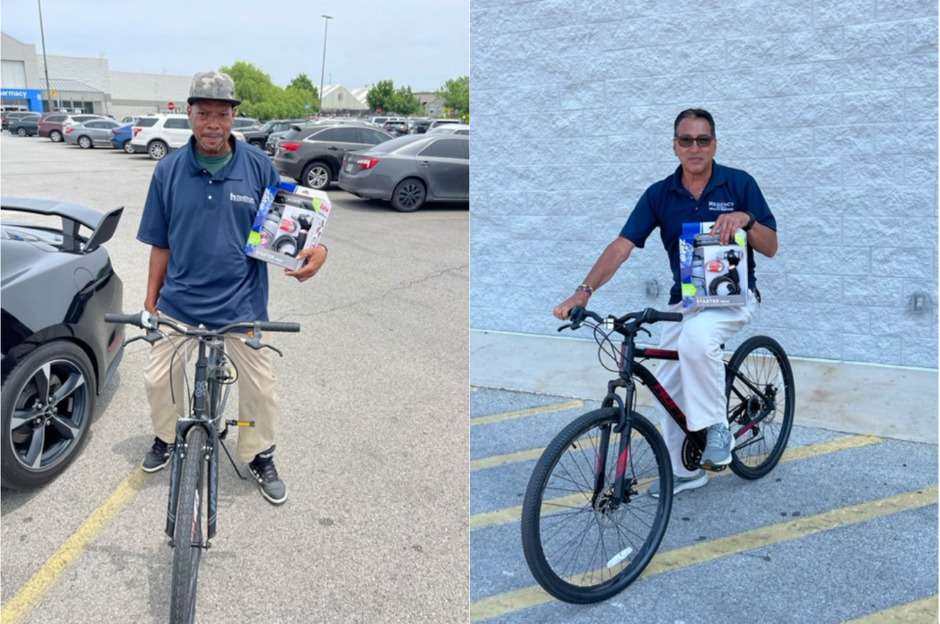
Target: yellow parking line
668	561
922	611
511	514
532	411
49	574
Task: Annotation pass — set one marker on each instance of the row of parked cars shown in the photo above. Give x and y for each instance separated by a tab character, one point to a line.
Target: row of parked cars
405	168
56	361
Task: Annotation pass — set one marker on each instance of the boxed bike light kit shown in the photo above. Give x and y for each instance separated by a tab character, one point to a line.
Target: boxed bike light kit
712	274
290	218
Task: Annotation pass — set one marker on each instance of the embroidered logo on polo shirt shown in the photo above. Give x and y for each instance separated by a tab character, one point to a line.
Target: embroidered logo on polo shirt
243	199
721	206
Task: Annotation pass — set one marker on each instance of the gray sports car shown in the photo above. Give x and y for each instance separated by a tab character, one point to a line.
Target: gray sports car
56	285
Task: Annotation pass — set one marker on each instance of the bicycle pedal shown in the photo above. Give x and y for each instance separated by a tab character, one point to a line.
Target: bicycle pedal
240	423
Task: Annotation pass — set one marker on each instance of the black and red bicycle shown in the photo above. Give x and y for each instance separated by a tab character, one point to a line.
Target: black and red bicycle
589	525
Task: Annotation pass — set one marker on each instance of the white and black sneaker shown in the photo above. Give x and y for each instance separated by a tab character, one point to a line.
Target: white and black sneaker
263	470
158	457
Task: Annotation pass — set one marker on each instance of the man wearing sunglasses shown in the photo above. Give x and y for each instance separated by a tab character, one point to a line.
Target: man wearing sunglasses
700	190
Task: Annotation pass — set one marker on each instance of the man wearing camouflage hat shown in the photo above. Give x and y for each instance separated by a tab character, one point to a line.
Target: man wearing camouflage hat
199	210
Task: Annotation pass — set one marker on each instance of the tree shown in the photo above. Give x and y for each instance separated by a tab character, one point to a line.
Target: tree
382	96
252	86
456	95
303	83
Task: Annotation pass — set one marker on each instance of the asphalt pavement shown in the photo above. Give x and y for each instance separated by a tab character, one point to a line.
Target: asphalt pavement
844	530
371	436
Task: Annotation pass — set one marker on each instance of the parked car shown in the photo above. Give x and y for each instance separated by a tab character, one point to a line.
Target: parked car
27	125
121	138
450	129
7	118
398	127
94	133
51	124
57	351
243	124
313	155
158	134
410	170
259	137
419	126
436	123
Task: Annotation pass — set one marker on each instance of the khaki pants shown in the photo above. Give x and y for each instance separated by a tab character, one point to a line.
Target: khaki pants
257	400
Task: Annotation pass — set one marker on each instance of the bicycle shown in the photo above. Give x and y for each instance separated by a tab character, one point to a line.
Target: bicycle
589	525
194	468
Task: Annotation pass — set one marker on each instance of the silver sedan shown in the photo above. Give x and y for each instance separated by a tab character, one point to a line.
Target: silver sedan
92	133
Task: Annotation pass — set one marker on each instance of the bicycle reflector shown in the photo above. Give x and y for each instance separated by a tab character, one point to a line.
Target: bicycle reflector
714	266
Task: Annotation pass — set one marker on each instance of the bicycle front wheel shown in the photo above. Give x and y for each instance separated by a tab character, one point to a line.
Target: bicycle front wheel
761	395
580	543
187	538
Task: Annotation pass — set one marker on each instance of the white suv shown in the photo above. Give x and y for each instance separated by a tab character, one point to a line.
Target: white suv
157	135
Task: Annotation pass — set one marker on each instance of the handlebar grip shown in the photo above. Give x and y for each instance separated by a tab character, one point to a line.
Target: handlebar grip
655	316
278	326
129	319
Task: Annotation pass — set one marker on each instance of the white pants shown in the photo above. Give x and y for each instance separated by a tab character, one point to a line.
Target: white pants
697	381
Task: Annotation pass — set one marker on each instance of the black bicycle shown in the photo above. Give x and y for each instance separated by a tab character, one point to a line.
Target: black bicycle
589	525
194	468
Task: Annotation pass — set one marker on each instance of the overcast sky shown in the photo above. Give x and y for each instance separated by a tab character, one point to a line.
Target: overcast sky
415	43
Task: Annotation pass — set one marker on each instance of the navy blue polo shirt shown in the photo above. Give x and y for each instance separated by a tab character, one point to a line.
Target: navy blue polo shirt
204	220
667	205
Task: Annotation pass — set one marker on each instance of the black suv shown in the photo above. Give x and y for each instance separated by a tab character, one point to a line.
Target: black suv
312	155
260	137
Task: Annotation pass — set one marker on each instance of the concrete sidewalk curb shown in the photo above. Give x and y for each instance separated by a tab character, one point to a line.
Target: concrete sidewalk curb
891	402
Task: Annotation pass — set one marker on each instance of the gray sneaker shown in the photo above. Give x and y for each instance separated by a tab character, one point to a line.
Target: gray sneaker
680	484
158	457
718	449
263	470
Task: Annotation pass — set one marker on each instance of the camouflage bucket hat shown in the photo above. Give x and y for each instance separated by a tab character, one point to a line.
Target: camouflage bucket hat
213	86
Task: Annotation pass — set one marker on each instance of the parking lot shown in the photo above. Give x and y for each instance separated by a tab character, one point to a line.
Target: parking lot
843	530
372	438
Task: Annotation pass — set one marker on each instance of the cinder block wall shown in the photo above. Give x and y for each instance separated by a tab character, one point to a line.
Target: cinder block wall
830	105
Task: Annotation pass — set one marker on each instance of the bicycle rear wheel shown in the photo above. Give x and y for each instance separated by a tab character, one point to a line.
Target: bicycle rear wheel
187	540
761	394
580	546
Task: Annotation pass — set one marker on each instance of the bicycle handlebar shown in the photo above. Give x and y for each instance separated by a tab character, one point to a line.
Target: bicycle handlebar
578	314
146	320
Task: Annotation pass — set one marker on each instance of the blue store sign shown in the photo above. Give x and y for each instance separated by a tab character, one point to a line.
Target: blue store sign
32	96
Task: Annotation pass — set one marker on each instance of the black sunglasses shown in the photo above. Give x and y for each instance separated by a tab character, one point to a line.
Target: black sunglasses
686	141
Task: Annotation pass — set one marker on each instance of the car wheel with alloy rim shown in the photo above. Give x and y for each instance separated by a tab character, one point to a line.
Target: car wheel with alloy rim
48	400
409	195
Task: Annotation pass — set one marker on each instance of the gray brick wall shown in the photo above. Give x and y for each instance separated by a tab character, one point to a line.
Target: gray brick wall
830	104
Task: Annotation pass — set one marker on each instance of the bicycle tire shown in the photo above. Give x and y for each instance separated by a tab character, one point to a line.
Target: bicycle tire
187	540
580	551
759	442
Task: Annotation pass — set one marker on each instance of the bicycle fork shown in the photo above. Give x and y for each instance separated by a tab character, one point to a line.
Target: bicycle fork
617	496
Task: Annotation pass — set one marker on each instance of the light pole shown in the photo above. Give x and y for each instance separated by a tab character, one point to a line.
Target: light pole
326	25
45	61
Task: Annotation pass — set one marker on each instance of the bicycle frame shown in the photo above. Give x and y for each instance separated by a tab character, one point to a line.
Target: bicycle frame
632	369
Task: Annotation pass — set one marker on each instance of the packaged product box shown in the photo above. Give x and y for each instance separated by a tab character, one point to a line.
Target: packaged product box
713	275
290	218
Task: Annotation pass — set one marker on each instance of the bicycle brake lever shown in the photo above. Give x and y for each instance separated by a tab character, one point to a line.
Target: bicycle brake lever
565	326
255	343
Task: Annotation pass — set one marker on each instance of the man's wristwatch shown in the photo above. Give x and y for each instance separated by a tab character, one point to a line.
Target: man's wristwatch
750	222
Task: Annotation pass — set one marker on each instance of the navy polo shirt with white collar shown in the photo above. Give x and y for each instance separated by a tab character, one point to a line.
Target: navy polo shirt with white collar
667	205
204	220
